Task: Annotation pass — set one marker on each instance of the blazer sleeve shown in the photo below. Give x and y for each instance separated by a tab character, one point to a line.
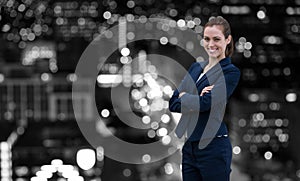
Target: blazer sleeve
175	102
193	102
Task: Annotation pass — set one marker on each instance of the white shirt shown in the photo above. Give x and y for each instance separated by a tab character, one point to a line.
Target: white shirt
201	75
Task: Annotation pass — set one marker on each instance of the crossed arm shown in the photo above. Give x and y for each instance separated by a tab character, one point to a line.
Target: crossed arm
221	90
205	90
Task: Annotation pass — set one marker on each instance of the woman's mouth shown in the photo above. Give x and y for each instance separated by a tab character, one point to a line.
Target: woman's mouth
212	50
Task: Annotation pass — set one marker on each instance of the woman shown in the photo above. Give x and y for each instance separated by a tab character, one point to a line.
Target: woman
202	109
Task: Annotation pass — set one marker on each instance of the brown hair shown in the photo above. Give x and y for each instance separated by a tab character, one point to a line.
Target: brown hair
219	20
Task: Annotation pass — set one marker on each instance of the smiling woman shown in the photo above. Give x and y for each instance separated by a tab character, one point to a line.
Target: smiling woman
214	41
217	41
202	117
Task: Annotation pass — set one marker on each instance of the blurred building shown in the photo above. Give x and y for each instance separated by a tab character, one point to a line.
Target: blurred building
42	41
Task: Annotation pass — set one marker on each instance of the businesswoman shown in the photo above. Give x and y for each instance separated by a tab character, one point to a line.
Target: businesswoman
201	98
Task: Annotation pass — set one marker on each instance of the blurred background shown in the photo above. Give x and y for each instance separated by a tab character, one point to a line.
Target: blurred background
42	40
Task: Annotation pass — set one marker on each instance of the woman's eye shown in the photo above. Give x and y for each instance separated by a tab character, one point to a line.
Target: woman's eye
206	39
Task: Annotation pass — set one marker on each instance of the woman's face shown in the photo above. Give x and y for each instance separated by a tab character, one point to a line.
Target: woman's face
215	42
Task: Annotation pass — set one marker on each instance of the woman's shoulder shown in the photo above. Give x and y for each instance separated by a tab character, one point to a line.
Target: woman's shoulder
231	67
194	65
231	70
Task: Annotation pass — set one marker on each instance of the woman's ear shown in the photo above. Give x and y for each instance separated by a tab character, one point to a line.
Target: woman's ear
228	40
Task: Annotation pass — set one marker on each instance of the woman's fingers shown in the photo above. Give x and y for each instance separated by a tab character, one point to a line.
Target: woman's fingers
209	87
206	89
203	92
181	94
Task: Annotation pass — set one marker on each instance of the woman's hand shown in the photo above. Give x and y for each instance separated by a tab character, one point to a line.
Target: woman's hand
181	94
206	90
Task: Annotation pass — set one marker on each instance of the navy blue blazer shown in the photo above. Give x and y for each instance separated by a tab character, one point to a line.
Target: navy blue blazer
202	116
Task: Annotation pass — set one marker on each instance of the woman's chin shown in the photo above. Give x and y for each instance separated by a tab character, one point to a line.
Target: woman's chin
212	55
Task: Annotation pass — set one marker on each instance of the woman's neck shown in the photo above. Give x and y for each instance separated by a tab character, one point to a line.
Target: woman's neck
211	62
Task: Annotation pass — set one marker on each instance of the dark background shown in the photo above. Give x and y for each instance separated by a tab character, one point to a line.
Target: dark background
36	113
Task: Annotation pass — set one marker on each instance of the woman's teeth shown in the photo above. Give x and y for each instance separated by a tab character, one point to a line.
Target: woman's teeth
212	50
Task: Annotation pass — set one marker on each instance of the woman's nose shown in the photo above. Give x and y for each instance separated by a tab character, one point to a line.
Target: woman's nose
210	43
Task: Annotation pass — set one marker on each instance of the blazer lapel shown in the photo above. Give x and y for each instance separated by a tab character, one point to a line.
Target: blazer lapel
202	65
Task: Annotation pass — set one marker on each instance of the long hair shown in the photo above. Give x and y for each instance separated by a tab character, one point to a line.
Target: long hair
219	20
